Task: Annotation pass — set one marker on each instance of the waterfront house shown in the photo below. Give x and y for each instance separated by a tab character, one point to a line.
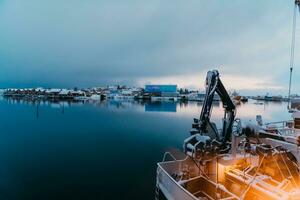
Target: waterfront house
52	93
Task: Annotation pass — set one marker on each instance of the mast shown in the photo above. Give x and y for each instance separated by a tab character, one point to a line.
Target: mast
292	58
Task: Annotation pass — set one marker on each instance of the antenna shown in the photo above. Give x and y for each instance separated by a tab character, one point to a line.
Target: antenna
292	58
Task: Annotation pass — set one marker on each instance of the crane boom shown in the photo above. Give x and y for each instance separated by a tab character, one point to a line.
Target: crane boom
214	85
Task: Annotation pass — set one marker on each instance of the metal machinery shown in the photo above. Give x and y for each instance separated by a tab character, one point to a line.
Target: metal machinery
205	132
231	163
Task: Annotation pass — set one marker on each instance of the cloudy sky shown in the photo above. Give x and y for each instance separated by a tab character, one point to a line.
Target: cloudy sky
67	43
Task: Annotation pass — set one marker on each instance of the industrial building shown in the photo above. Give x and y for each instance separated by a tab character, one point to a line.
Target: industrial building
162	92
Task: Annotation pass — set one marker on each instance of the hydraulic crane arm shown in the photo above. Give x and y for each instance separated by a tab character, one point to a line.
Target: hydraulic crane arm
214	85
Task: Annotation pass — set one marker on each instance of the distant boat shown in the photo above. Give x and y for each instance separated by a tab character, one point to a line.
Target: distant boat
270	98
122	97
198	96
95	97
237	99
164	98
273	98
244	99
81	98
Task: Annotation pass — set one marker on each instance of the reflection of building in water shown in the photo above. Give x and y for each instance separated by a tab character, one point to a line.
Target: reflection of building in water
160	107
162	92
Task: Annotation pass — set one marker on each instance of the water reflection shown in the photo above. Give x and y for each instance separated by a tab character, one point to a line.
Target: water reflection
160	107
84	150
269	110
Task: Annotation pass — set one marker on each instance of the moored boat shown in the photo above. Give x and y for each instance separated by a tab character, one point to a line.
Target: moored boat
234	162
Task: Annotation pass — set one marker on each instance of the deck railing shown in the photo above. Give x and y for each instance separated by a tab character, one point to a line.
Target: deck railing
174	190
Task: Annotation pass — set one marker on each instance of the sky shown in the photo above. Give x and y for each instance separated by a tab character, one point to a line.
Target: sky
75	43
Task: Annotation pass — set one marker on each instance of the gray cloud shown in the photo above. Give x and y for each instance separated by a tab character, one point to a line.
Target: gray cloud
84	43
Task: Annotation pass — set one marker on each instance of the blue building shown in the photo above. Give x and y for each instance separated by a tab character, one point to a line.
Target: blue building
162	92
161	88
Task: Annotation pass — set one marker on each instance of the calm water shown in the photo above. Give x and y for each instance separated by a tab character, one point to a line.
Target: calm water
106	150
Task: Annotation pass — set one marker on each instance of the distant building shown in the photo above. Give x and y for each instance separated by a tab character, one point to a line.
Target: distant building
161	88
162	92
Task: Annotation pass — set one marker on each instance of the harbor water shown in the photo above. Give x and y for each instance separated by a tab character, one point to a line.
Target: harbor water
97	150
